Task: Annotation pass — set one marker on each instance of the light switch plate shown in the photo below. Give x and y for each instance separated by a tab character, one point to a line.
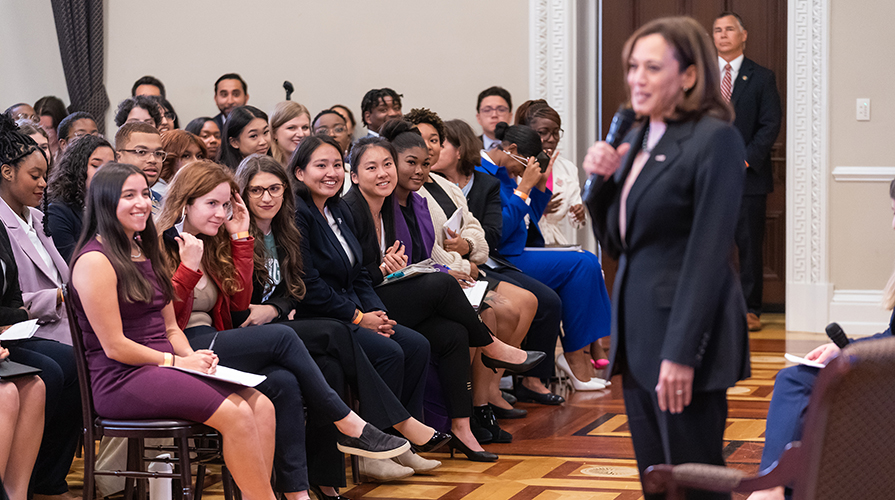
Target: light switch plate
862	112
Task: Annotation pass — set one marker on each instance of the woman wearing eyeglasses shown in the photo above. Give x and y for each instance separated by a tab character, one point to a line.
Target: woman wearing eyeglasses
330	122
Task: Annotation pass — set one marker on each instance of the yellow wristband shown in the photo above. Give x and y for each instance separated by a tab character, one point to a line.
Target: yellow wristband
521	195
239	236
169	360
358	317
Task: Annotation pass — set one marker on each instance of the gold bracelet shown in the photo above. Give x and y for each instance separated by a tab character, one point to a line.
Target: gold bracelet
169	359
239	236
358	317
520	194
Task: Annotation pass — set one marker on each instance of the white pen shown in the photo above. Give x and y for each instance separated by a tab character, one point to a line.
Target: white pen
211	345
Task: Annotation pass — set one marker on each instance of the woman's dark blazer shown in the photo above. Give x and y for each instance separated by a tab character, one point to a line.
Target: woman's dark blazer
676	294
65	227
365	231
484	204
11	302
335	288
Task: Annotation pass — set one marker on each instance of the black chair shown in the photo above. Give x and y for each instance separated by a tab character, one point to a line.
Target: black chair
96	427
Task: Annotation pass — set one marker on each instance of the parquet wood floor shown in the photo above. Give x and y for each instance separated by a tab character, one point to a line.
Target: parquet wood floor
582	449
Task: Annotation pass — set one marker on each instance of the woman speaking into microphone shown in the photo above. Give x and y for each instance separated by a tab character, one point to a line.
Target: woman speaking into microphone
672	192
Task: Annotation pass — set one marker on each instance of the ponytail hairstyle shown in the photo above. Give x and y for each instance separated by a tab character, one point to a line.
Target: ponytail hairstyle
462	137
101	218
538	108
402	134
283	228
527	141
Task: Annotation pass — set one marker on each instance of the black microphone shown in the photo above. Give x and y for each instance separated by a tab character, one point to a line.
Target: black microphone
620	125
287	85
834	331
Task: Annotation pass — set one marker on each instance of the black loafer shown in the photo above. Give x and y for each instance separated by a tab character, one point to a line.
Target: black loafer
529	396
503	413
437	440
372	443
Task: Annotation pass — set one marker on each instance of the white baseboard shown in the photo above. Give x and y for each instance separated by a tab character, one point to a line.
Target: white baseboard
864	174
858	312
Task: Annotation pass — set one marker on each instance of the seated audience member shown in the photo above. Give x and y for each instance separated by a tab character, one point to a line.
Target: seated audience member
230	91
457	162
41	275
40	136
494	105
211	256
278	287
246	132
207	130
129	341
75	125
564	214
349	119
139	109
169	117
379	106
148	85
22	399
336	283
513	306
51	111
332	123
140	144
66	191
434	303
182	148
576	276
793	388
290	122
21	111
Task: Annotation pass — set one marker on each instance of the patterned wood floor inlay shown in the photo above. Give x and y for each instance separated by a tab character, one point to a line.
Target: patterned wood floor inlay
581	449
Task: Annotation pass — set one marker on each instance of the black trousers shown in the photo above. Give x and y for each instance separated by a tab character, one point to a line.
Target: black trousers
750	243
292	377
695	435
435	305
544	328
343	363
62	419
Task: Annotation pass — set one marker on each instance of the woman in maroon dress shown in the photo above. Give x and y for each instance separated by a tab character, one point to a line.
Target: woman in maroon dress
130	341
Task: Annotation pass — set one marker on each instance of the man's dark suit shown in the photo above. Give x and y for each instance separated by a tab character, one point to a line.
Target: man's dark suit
219	119
676	296
757	104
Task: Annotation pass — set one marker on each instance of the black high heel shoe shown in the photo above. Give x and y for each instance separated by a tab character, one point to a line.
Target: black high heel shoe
473	456
437	440
321	496
532	360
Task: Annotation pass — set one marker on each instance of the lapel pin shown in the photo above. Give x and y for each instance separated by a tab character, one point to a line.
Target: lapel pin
660	158
745	77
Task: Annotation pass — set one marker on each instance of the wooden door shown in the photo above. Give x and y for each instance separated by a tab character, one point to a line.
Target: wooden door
766	24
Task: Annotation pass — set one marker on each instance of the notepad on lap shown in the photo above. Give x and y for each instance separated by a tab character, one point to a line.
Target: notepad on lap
802	361
225	374
476	293
20	331
11	369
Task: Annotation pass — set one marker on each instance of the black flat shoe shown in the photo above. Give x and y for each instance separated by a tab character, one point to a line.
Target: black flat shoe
437	440
482	435
473	456
372	443
320	496
508	397
504	413
485	418
532	360
529	396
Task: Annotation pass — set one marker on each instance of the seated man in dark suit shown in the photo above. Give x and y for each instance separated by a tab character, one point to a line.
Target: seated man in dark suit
494	105
379	106
752	91
230	91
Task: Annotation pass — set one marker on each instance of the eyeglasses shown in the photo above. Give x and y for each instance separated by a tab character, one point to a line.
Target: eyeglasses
275	191
546	133
338	129
141	153
489	109
170	115
25	116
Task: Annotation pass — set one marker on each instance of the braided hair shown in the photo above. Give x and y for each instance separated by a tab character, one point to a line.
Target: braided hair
15	145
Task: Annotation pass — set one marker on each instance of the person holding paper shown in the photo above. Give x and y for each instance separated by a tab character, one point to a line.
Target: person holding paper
41	274
211	256
277	289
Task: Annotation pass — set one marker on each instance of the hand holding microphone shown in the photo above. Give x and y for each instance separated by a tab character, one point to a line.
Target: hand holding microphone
604	157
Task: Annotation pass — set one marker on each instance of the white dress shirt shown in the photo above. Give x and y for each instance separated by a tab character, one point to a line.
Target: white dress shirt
734	68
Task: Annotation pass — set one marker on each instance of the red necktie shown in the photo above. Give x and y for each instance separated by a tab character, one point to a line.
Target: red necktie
726	84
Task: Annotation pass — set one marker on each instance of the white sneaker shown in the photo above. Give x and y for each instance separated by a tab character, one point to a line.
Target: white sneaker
382	469
416	462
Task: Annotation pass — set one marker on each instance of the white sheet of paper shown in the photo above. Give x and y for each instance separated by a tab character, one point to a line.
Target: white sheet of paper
802	361
476	293
231	375
564	248
453	223
19	331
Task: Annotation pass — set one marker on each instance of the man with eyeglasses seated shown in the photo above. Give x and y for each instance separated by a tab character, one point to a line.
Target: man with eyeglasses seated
495	105
140	144
22	110
75	125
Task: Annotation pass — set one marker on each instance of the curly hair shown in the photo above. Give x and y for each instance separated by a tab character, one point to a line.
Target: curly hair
141	101
283	227
193	181
426	115
15	145
68	179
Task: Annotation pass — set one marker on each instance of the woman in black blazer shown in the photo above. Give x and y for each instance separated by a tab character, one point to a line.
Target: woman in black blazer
679	329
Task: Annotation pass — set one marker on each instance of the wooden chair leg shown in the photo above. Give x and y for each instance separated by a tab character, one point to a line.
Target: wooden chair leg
132	447
355	469
142	484
227	479
89	467
200	482
186	479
